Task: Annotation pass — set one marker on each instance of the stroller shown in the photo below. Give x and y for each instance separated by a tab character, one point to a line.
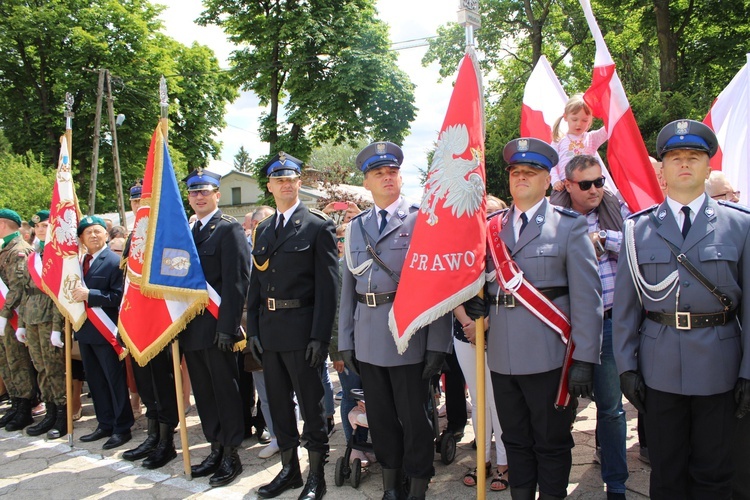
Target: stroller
344	470
445	442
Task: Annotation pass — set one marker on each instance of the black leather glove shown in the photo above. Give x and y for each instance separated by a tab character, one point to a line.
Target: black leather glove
350	361
316	353
634	389
256	349
581	379
224	342
433	364
742	397
476	307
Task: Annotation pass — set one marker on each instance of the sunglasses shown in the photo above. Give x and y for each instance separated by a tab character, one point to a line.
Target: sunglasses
202	192
342	239
586	185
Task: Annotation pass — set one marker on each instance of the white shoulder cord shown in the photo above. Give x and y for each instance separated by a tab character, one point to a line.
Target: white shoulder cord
359	270
641	285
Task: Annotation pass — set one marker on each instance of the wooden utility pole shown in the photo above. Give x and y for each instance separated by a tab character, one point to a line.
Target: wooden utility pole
95	154
115	152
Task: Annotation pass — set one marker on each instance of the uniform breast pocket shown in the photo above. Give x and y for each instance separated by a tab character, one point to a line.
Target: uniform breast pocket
655	263
207	250
399	243
541	260
296	246
719	263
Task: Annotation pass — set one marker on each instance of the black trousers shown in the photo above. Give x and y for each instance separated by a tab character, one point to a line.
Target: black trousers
155	383
741	460
455	395
287	373
536	436
247	392
689	444
402	435
213	375
107	381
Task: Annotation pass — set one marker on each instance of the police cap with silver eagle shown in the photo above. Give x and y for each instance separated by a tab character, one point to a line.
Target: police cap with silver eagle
530	151
136	190
200	179
686	134
283	165
380	154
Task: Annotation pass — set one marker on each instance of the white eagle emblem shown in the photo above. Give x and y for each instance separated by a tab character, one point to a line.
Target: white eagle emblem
138	243
65	230
447	177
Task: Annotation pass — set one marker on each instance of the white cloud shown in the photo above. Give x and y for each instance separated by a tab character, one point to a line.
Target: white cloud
408	20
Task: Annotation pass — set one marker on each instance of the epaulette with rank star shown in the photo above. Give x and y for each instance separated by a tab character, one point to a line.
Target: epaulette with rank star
736	206
228	218
413	208
567	211
644	211
317	212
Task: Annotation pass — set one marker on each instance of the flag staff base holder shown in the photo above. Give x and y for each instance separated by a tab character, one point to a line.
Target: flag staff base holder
69	379
181	408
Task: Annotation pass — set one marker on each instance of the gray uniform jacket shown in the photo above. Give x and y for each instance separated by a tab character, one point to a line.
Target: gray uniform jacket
700	361
365	329
553	251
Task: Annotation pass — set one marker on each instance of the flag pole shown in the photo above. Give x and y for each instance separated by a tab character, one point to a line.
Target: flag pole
69	100
468	16
164	123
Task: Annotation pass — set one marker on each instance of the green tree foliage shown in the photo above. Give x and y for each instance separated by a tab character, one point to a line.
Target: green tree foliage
242	161
26	184
51	47
323	68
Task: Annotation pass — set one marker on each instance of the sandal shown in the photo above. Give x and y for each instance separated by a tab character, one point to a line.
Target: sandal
498	483
470	478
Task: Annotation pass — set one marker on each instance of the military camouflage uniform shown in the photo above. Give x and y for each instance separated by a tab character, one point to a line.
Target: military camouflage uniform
40	317
15	363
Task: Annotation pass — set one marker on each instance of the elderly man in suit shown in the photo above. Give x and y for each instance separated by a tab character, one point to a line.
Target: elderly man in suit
396	385
551	247
208	341
105	372
679	312
290	310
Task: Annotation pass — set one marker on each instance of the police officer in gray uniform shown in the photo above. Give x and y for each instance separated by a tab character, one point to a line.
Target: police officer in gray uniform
677	321
551	247
395	385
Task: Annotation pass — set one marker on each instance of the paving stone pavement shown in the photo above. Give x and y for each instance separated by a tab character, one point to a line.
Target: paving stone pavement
31	468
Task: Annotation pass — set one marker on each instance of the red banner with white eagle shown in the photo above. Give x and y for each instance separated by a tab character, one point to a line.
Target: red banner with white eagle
445	263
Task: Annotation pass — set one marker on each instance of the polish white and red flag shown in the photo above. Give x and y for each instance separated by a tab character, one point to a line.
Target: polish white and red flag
3	294
61	268
445	263
626	153
729	118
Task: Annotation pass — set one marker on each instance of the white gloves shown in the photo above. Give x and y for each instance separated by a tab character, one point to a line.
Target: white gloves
21	335
3	322
56	339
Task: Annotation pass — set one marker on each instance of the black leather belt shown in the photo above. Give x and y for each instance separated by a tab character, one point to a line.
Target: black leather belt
273	304
608	313
687	321
375	299
509	300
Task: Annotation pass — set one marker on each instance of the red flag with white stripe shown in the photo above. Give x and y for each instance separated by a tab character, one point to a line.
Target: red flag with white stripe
543	103
729	118
626	152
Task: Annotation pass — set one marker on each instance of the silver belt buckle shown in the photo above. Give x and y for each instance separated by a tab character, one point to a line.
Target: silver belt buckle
509	300
370	300
271	304
682	321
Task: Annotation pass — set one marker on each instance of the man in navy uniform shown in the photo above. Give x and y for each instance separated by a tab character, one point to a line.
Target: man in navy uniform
680	348
105	373
290	311
208	342
396	385
551	247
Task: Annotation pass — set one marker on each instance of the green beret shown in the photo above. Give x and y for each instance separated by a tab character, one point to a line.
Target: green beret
40	216
90	220
6	213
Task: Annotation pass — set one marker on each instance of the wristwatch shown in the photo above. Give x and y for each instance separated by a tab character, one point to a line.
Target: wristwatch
603	235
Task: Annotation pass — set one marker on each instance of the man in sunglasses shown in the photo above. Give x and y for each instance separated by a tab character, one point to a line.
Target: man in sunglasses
585	193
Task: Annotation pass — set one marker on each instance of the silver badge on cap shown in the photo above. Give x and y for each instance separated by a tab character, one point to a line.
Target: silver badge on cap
522	145
709	211
539	219
380	148
682	127
282	157
662	214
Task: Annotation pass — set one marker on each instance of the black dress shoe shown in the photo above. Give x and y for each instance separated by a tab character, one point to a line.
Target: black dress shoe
96	435
229	469
116	440
210	464
264	437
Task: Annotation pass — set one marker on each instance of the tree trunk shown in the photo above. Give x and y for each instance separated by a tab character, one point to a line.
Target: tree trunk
667	46
273	114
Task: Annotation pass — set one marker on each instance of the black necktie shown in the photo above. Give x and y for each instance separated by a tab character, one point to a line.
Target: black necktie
686	223
280	225
383	221
196	229
87	263
524	221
